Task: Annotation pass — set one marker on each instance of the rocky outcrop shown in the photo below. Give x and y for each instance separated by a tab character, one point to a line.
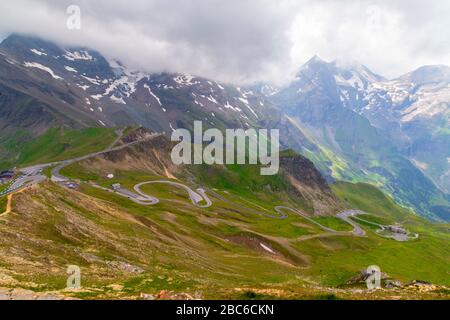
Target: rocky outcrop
309	183
304	171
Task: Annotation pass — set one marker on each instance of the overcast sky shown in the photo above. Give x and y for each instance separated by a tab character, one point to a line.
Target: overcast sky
245	40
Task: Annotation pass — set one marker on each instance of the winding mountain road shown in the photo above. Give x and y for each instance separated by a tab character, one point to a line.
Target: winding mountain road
195	197
33	175
141	199
357	230
280	213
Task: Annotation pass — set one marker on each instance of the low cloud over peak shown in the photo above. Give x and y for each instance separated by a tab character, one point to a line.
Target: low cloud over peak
244	41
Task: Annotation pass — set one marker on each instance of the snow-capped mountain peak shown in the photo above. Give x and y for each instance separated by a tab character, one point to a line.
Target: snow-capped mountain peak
431	74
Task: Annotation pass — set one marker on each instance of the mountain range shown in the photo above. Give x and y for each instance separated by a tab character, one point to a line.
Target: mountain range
353	124
87	181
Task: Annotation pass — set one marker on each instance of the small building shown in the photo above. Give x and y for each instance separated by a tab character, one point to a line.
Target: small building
7	174
396	229
116	186
72	185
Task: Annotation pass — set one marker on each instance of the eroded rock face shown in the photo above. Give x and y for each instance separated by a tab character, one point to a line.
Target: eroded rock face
308	183
140	133
364	275
304	171
151	155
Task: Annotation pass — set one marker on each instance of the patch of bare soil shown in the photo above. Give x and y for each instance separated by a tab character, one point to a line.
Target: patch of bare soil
266	247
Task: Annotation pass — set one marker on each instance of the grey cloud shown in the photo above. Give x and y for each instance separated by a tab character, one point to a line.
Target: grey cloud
241	41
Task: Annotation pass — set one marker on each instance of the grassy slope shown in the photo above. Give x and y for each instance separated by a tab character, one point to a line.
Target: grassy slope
337	259
184	248
334	223
3	202
179	247
370	199
356	146
246	182
56	144
4	186
333	259
236	183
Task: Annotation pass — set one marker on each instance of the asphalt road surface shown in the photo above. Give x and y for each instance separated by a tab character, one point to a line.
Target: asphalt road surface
357	230
196	198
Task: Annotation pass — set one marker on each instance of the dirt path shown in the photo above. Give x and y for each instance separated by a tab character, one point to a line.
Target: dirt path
8	205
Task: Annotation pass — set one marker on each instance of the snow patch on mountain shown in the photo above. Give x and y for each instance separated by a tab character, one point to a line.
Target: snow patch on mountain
185	80
124	86
198	103
43	68
423	93
229	106
212	99
39	53
117	99
92	80
427	102
408	100
70	69
146	86
84	87
78	55
246	103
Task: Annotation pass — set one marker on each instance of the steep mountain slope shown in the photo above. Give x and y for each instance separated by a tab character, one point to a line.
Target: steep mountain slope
321	114
111	95
298	181
414	110
43	86
320	101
